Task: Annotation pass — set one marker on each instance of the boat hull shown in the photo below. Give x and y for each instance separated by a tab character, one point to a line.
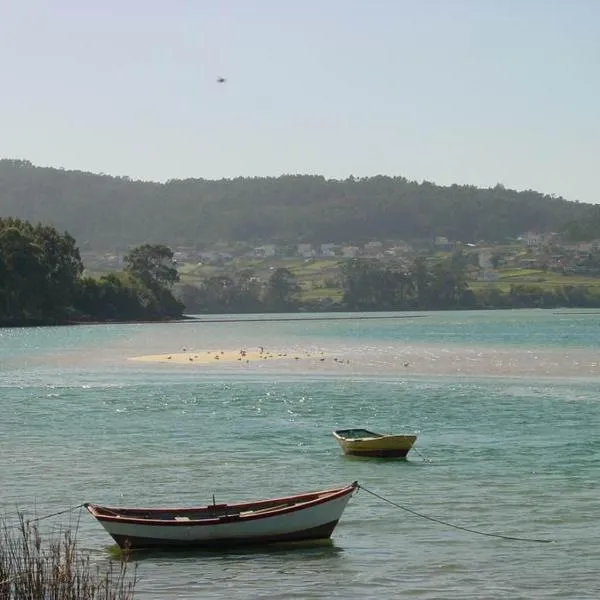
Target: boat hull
310	520
398	453
132	542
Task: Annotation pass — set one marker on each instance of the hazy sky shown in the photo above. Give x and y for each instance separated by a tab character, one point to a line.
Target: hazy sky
451	91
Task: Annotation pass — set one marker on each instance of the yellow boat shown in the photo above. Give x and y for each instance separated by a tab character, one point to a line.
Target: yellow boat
362	442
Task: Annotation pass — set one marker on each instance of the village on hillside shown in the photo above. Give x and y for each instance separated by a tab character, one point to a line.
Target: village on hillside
538	251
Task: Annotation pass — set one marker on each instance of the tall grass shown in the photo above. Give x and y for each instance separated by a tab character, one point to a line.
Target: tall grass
55	569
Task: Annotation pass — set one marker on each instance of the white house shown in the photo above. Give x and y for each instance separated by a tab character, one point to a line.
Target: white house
266	250
328	249
441	242
485	260
532	239
305	250
350	251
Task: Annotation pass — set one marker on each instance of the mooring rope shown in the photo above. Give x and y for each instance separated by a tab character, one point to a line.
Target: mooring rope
54	514
425	459
34	520
418	514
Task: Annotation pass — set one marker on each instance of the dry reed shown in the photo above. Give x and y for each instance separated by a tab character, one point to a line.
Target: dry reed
56	569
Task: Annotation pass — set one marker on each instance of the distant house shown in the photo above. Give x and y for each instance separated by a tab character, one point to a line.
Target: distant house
399	249
532	239
328	249
374	249
181	257
305	250
485	260
441	242
350	251
266	250
584	247
402	247
587	247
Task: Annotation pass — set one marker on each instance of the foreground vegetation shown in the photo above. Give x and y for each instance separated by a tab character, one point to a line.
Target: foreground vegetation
32	569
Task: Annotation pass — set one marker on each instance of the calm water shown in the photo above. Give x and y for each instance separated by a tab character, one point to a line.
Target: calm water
506	405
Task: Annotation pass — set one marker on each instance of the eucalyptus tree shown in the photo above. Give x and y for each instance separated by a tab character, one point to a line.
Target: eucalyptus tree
282	291
152	264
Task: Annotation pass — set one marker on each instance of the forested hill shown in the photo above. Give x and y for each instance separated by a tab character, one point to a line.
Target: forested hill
103	212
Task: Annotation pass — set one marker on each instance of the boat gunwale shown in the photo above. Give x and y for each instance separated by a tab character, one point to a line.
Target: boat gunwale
376	436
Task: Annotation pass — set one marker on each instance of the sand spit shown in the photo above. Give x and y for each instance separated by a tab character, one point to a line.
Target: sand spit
208	357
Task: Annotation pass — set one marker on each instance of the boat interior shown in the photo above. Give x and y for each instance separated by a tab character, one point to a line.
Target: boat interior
210	511
356	434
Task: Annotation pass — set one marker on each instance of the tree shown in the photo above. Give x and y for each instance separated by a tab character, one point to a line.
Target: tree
249	289
152	264
39	271
63	266
21	274
282	290
421	278
362	280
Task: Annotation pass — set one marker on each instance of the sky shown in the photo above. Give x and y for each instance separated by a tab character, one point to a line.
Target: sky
475	92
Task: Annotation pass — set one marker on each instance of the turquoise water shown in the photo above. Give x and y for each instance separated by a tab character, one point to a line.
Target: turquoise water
506	405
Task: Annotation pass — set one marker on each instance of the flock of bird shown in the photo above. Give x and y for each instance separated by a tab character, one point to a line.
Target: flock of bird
265	355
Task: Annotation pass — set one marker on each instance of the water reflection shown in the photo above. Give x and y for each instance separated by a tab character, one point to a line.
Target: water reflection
305	550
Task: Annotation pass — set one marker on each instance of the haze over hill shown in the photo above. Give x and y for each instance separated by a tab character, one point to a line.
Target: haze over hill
106	213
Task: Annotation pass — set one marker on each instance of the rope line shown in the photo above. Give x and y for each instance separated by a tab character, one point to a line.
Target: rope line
425	459
54	514
434	520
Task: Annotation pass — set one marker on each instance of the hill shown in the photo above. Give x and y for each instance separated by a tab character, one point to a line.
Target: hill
106	213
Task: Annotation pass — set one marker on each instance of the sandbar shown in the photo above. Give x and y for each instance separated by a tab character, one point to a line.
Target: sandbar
206	357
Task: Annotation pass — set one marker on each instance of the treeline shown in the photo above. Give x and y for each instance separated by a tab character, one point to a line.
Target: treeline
443	285
106	213
585	226
42	282
244	293
373	285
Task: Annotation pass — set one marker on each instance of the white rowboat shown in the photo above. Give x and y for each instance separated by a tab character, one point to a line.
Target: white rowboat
306	516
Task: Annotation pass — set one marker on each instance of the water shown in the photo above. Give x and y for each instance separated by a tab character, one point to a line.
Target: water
505	403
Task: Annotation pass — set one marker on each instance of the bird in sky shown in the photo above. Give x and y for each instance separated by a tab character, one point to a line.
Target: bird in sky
221	80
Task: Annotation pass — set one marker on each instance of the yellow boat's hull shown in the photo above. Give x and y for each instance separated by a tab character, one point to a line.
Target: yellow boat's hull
382	446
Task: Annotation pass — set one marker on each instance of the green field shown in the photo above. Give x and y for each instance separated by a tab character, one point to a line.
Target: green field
318	277
537	277
315	276
312	275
